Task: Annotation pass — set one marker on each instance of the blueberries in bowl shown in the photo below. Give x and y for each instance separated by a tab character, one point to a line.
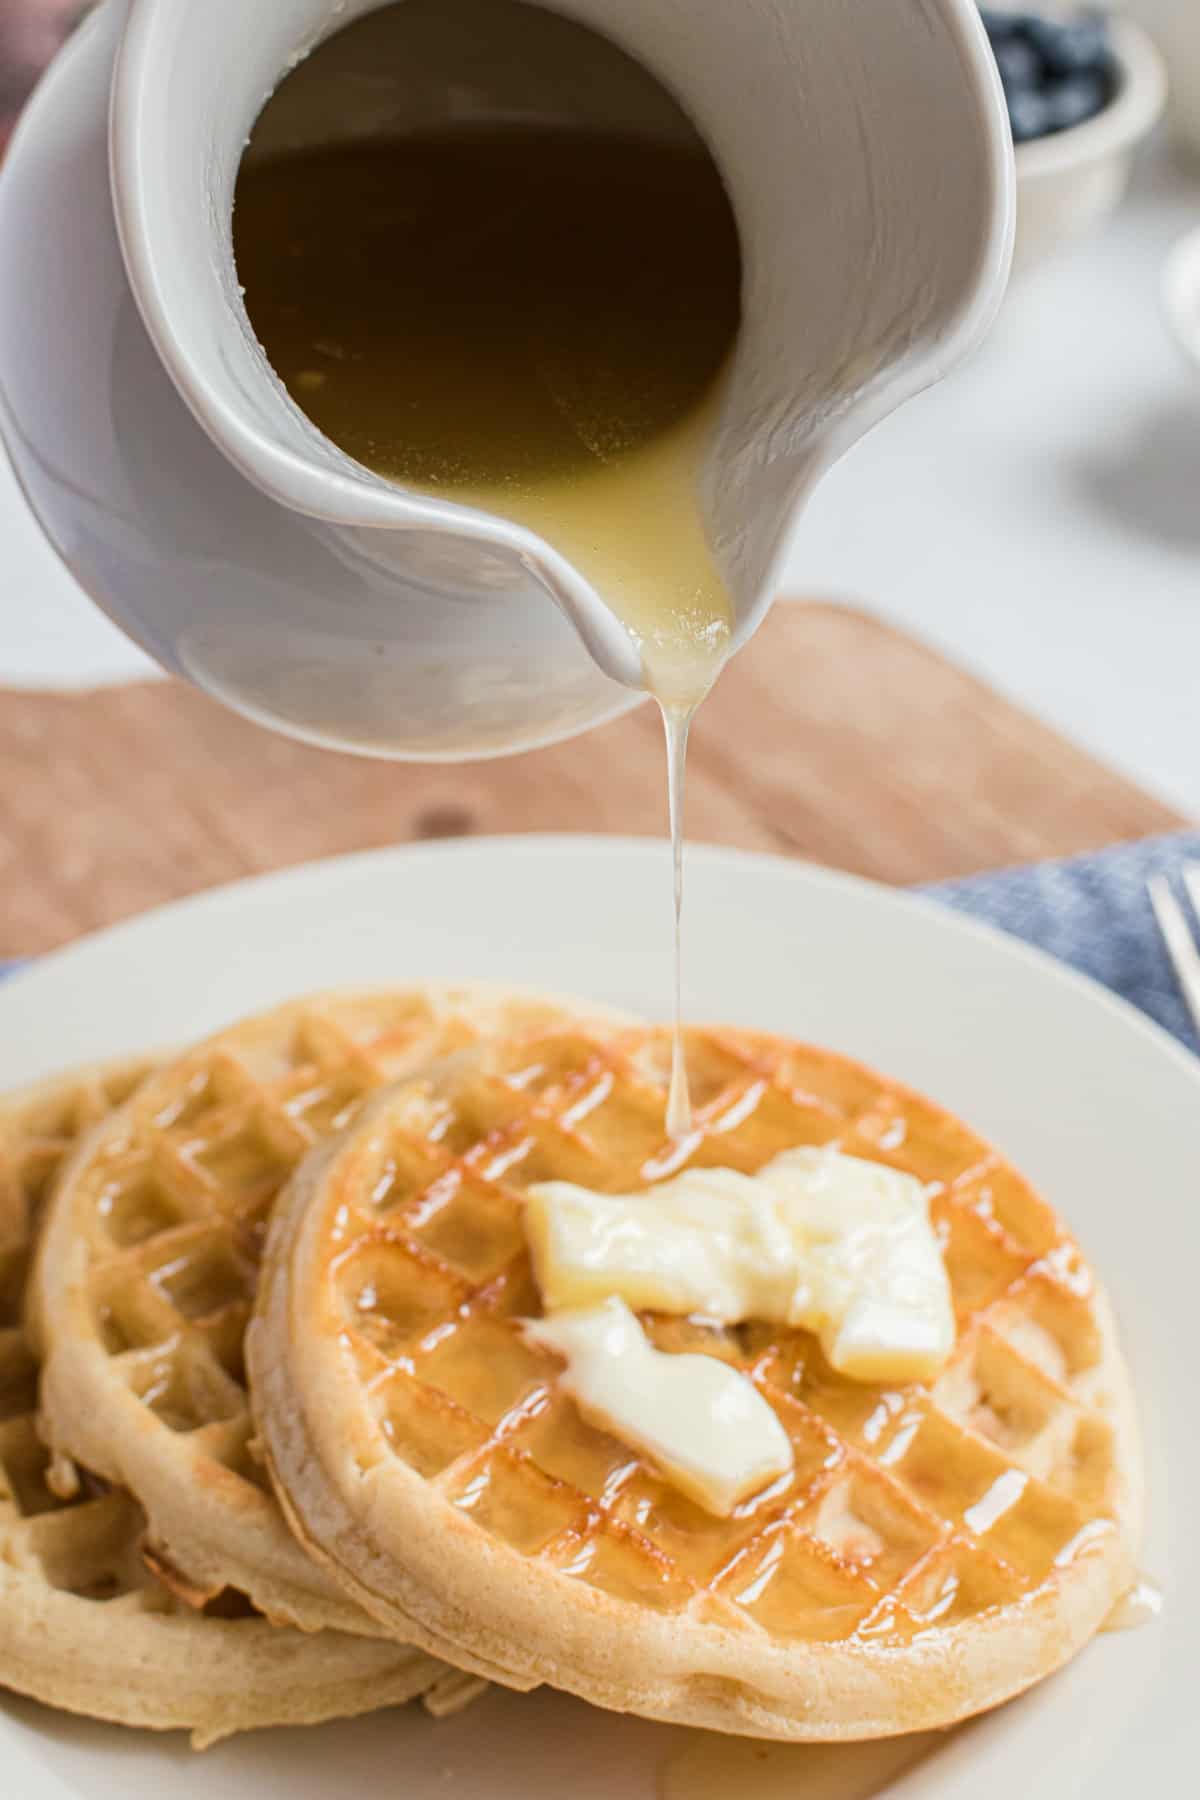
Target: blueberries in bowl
1056	72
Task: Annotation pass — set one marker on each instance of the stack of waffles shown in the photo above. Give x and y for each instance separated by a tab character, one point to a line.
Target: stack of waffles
276	1446
146	1572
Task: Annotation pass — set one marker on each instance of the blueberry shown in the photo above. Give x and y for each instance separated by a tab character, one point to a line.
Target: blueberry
1029	114
1018	63
1001	26
998	25
1070	47
1072	102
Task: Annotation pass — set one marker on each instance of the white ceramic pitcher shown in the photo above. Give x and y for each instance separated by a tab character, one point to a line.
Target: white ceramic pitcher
866	150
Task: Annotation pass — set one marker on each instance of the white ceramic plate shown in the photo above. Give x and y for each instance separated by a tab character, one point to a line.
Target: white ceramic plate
1097	1106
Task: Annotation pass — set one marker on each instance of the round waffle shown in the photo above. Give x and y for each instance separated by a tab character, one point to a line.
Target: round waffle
84	1624
935	1549
149	1263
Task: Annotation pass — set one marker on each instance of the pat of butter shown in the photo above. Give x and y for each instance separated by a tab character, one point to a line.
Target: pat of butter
704	1425
836	1244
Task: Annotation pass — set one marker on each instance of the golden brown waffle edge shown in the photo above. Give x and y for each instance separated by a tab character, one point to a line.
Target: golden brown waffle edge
149	1264
84	1625
936	1549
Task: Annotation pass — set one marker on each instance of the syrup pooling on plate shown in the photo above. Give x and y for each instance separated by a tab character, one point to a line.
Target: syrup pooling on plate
1142	1605
709	1767
529	318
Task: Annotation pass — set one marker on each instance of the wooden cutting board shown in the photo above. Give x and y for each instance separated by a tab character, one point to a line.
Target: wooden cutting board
831	737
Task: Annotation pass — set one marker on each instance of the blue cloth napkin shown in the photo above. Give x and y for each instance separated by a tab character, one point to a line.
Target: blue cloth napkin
1092	912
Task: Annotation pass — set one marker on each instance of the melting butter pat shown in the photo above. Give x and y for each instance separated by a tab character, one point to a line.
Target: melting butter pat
839	1245
704	1425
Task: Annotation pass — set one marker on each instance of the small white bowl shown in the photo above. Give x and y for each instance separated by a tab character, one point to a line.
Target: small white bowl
1069	181
1181	295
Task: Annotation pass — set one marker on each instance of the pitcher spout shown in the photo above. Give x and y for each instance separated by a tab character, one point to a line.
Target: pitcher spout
858	290
233	539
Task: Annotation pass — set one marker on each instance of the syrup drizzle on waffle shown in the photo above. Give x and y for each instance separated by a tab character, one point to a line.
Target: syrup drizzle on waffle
171	1204
84	1621
907	1509
83	1542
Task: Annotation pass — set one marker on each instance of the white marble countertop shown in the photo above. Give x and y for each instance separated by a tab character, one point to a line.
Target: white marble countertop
1037	516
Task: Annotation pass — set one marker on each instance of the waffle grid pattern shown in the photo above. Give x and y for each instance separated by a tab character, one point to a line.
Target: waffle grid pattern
85	1622
174	1207
906	1510
78	1538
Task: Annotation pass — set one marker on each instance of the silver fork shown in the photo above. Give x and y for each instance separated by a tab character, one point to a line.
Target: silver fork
1177	933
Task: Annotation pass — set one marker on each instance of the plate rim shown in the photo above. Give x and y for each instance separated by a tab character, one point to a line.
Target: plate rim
274	890
29	970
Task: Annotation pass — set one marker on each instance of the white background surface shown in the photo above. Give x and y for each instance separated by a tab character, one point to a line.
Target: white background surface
1037	516
1002	1027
